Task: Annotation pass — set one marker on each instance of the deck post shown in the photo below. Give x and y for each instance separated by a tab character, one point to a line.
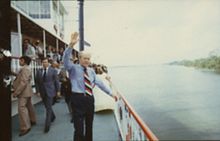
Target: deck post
19	33
81	26
57	45
44	43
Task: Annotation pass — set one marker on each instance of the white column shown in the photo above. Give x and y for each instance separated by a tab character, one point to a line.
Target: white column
44	43
19	33
58	20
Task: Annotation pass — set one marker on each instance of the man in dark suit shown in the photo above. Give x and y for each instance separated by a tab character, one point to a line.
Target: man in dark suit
47	86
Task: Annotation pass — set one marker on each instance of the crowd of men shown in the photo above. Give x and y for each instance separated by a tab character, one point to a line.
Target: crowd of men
62	74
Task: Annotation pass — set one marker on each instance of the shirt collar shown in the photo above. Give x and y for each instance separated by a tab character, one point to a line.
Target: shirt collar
46	68
83	67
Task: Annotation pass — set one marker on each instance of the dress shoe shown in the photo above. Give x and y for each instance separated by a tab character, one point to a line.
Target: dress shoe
53	119
22	133
33	123
47	128
55	100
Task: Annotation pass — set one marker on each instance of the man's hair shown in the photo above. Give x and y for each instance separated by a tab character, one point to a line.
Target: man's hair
81	53
44	58
28	40
76	61
37	42
27	60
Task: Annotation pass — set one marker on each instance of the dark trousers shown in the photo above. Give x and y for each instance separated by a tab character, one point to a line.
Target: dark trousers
83	114
49	111
66	92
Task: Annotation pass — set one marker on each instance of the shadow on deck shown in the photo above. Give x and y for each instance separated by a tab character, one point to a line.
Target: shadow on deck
104	126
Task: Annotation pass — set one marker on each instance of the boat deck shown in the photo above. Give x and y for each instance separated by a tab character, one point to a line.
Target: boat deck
104	126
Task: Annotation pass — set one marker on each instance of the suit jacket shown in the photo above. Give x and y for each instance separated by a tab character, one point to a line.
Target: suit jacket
22	83
50	86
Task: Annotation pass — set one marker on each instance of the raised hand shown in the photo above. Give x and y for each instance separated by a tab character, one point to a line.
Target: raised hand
74	39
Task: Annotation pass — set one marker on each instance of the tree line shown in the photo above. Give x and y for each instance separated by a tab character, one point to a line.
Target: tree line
212	62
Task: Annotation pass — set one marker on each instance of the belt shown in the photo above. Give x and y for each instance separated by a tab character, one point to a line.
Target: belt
80	94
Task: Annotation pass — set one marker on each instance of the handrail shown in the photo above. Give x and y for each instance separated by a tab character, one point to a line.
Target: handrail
142	124
16	57
149	135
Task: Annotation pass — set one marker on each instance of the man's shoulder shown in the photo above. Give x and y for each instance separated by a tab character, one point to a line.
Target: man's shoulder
89	68
39	70
51	69
68	49
25	69
76	66
92	70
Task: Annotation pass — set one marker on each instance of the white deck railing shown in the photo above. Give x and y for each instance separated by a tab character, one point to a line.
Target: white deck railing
131	126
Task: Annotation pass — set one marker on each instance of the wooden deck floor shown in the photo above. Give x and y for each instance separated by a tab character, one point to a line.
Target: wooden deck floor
105	128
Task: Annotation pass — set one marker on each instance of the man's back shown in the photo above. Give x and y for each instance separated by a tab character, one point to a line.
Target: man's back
22	83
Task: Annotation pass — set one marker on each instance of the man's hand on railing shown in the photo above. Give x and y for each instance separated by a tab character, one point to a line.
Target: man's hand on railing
115	96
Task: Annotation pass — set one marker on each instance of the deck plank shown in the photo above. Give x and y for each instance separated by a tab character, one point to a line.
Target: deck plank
105	128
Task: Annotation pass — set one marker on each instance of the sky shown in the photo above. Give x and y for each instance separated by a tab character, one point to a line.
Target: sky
140	32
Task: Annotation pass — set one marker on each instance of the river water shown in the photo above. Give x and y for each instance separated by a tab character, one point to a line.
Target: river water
176	102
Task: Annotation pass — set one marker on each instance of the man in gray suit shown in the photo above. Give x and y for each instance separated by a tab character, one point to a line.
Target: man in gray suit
47	84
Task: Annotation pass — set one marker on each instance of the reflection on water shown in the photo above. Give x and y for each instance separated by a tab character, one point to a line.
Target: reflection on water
176	102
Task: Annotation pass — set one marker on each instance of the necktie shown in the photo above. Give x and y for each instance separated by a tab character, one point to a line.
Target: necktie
88	85
44	75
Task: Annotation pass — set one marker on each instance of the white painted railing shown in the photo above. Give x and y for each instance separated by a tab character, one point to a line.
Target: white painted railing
131	126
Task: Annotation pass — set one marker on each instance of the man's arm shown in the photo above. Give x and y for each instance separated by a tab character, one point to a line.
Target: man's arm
102	86
66	58
106	89
24	81
56	79
37	81
68	52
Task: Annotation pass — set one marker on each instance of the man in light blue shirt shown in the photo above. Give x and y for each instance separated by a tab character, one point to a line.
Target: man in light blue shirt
82	102
76	72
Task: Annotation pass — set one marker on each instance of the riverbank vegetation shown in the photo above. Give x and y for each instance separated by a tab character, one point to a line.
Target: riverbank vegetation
212	62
